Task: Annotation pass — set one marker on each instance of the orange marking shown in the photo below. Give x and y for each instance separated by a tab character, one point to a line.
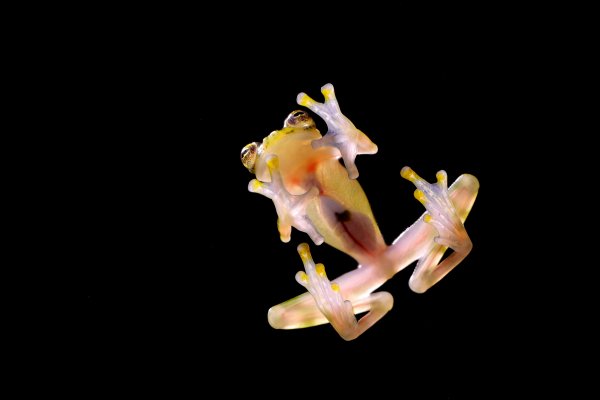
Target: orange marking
294	180
312	167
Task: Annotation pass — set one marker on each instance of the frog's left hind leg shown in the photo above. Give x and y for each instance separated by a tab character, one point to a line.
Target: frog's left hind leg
328	301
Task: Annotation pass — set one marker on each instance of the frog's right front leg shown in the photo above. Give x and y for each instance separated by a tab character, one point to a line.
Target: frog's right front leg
334	302
291	209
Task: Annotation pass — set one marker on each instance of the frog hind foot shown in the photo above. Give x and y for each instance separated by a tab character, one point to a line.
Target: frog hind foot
443	216
327	296
330	301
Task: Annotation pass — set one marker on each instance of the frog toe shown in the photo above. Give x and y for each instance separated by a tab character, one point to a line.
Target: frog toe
341	132
327	295
441	212
291	209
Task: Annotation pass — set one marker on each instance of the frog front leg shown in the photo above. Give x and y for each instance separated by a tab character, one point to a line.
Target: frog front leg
334	302
341	132
291	209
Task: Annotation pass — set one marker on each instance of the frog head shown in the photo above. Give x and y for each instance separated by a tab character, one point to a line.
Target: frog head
297	125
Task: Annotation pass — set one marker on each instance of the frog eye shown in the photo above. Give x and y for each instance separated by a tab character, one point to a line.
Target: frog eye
248	156
299	119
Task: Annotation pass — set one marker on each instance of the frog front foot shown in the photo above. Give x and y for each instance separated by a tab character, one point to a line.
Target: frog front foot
442	215
291	209
341	132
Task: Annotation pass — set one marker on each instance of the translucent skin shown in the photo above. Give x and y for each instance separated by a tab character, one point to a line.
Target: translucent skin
313	192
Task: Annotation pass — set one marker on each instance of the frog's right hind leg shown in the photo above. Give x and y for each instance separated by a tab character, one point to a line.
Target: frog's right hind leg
447	216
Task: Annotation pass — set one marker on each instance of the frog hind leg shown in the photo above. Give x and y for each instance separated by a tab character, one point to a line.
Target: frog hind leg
327	301
447	216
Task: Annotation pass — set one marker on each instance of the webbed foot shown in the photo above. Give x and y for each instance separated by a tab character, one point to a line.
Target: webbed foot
341	132
291	209
442	215
329	300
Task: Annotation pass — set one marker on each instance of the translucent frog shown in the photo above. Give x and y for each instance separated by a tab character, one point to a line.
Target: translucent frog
301	172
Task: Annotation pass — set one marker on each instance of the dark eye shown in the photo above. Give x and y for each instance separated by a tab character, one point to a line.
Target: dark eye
245	151
248	156
299	119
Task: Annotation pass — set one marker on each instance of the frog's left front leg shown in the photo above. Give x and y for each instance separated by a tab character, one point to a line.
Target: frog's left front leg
341	132
336	302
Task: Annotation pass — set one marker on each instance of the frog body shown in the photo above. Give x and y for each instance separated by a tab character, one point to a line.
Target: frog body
302	172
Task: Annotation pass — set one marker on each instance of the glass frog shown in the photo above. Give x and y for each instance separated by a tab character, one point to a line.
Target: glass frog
301	172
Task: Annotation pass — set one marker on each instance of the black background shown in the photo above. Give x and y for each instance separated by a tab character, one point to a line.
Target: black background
182	263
